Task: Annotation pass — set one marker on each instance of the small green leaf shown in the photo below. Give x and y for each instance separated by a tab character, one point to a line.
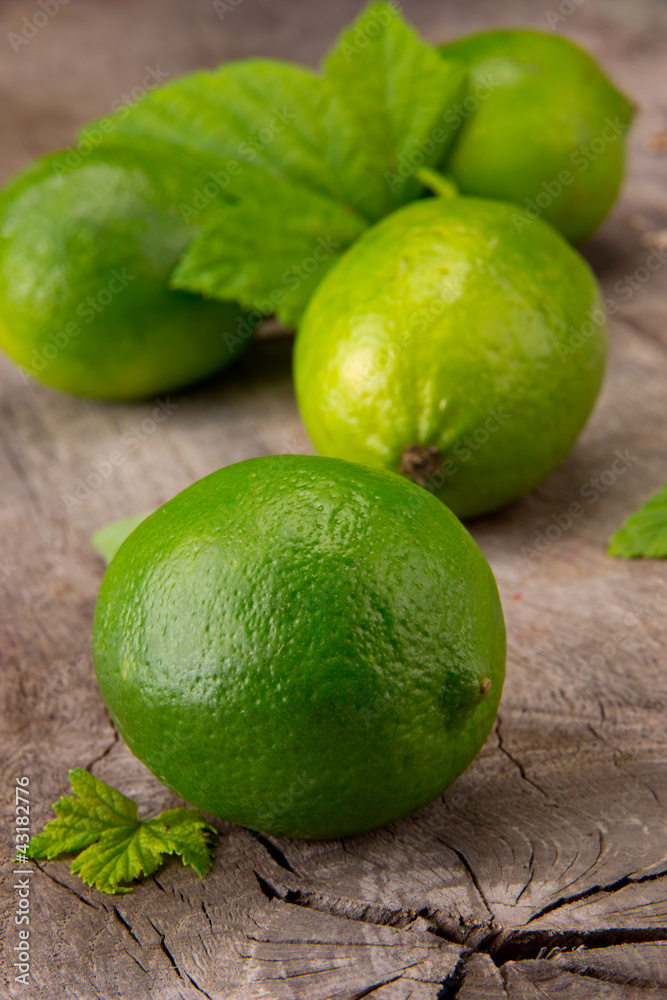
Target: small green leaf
108	540
81	820
116	847
181	832
644	534
119	855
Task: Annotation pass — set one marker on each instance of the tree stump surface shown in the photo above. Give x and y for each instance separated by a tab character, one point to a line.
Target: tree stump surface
542	872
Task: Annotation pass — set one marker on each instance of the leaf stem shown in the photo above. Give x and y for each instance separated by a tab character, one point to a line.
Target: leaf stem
440	184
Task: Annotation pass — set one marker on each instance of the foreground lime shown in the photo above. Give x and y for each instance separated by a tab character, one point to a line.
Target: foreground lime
543	127
85	257
450	347
301	645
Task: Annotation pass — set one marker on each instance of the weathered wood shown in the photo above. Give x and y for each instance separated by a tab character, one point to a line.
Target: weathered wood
542	872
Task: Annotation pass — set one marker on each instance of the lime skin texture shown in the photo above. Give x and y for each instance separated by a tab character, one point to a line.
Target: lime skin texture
448	346
301	645
85	258
544	128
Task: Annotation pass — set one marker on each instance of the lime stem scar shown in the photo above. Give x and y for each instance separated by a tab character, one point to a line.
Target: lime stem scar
421	462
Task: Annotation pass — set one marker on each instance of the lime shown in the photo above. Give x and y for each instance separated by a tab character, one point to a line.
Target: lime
542	126
85	257
301	645
447	346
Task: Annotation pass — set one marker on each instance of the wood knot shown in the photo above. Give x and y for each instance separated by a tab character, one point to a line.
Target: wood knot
420	463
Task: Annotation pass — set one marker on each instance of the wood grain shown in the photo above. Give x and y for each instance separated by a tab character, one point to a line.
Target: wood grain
542	872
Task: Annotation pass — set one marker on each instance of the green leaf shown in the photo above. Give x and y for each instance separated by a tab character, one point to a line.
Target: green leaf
395	91
116	847
81	820
181	834
275	195
108	540
119	855
645	532
262	113
305	162
270	250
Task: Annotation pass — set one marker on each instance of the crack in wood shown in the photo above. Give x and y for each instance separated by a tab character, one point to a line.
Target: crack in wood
208	916
380	916
517	946
121	919
454	981
500	945
273	850
198	987
269	891
471	873
592	890
504	977
367	913
159	885
609	976
174	964
371	989
105	752
130	955
517	763
64	885
618	752
531	869
590	868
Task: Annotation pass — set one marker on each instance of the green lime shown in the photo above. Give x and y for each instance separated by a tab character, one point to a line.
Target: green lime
542	126
301	645
449	347
85	257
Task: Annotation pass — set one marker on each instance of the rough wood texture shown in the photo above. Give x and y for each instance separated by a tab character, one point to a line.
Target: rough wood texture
542	872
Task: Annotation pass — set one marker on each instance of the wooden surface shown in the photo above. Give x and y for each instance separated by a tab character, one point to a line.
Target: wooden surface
542	873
